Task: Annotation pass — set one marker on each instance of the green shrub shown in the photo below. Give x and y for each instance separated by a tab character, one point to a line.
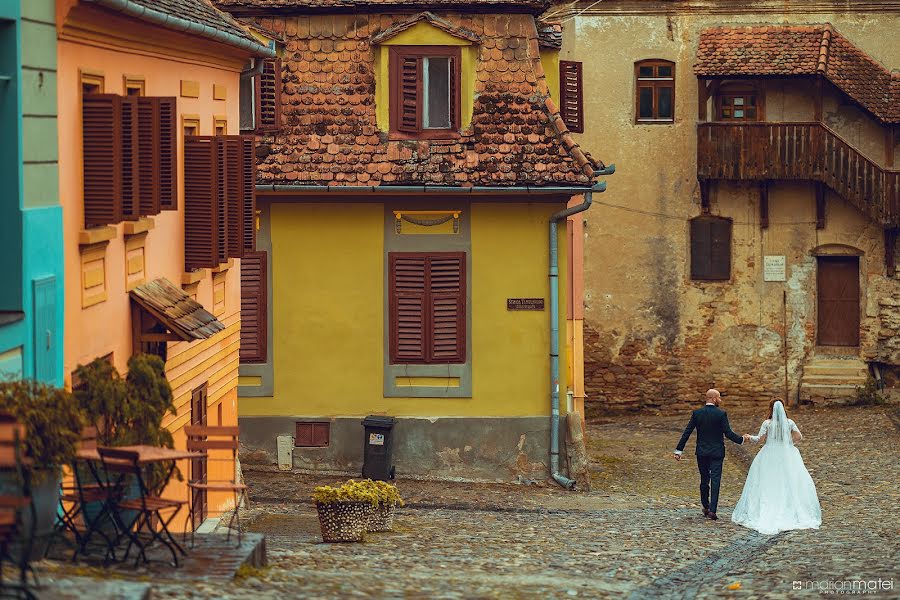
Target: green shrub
52	420
869	394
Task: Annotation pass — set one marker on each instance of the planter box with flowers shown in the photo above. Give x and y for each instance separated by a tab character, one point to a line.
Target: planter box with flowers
347	512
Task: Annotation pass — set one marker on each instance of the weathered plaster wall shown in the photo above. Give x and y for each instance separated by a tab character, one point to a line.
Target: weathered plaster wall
653	337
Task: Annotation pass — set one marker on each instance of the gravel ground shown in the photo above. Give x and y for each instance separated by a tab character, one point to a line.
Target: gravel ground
638	534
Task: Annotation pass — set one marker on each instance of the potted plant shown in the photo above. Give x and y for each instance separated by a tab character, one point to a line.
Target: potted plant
345	511
382	518
128	411
53	423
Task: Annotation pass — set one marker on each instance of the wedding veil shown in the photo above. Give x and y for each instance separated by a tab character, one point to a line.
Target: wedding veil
779	428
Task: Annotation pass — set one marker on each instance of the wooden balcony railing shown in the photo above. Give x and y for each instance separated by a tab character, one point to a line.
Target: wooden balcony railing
802	150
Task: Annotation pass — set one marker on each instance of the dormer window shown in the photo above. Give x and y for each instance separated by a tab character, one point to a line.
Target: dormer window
424	84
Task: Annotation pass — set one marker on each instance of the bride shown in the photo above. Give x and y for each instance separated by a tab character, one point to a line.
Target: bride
779	494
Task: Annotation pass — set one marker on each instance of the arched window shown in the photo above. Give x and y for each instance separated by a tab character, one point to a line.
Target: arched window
654	91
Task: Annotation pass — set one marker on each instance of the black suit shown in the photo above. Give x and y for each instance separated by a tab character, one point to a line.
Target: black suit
712	427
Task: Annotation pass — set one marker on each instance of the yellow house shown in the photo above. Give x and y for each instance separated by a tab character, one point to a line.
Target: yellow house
409	200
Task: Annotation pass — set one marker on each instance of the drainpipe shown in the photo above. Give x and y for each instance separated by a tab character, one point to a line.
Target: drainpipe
554	325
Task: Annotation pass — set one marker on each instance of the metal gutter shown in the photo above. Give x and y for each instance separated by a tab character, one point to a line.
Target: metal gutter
157	17
554	323
420	189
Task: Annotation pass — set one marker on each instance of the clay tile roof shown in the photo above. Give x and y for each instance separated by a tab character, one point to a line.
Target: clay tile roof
549	34
200	12
778	50
306	6
177	311
330	135
427	17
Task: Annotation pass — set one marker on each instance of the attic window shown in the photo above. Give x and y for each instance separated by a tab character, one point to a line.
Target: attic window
424	83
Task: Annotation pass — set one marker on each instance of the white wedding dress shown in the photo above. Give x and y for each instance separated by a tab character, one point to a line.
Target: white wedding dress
779	494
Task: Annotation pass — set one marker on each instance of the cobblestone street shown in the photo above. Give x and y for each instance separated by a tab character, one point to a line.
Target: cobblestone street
638	534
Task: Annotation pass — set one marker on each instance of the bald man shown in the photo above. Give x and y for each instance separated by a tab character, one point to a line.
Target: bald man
711	423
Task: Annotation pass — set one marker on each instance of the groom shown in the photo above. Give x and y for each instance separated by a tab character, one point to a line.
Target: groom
711	423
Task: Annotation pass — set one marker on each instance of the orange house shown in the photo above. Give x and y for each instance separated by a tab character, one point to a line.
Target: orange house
143	87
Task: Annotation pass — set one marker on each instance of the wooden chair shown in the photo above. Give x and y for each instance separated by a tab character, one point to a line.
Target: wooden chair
124	464
201	438
12	530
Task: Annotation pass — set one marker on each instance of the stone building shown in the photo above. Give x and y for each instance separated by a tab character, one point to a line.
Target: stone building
749	241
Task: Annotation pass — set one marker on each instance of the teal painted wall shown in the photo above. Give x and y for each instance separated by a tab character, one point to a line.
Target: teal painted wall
31	251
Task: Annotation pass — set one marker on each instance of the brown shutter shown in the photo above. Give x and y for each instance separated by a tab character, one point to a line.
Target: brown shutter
407	274
168	154
131	195
269	106
234	204
720	249
710	248
407	92
447	306
221	199
248	200
102	149
571	101
201	211
254	278
456	120
148	155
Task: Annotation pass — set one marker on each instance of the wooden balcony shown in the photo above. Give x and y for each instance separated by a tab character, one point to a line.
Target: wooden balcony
800	151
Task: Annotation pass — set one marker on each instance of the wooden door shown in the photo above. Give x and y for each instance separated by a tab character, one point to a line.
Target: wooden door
838	301
199	499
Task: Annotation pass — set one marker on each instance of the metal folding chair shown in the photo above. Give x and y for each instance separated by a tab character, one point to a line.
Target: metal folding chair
201	438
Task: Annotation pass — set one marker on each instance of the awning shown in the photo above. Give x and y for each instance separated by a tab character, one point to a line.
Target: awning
180	314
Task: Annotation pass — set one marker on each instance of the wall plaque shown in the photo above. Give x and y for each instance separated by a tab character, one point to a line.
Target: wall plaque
524	304
774	268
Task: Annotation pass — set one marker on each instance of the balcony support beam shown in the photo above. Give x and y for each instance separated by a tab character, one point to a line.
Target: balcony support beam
818	99
820	205
704	196
764	204
890	142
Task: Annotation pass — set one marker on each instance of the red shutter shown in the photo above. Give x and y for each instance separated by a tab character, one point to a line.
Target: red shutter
168	154
131	195
221	199
269	96
447	305
254	280
407	92
201	194
234	195
102	149
148	155
407	307
248	200
571	101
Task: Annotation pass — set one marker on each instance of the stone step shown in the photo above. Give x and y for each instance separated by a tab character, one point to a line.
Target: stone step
836	362
833	380
819	370
827	391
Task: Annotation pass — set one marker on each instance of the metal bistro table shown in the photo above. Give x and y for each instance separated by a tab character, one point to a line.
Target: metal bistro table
116	464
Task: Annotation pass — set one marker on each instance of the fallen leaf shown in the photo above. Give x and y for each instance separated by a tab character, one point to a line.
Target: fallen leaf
735	586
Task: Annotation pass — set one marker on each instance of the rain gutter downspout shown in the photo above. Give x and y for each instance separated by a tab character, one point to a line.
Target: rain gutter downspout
599	187
143	13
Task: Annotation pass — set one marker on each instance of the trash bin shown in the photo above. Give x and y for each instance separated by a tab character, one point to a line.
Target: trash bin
378	448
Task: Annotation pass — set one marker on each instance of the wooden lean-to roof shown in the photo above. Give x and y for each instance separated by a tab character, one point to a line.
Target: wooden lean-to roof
175	310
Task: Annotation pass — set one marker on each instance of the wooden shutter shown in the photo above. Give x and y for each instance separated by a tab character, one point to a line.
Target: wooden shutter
102	150
710	248
254	280
248	200
221	200
427	307
131	195
407	275
201	193
234	195
720	249
268	113
447	307
168	154
407	92
571	92
148	155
